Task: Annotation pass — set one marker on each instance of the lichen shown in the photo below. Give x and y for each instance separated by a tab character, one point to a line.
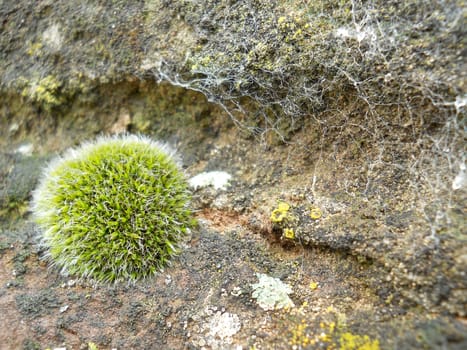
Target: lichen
217	179
289	233
271	293
331	333
315	213
45	92
349	341
283	220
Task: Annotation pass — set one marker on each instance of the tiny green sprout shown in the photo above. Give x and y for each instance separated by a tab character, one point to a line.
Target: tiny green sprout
113	210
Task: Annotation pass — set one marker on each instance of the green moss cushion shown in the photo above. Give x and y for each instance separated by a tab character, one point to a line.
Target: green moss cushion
113	209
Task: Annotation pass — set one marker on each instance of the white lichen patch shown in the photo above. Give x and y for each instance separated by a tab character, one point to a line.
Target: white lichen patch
217	179
271	293
223	326
25	149
217	330
461	178
358	33
52	37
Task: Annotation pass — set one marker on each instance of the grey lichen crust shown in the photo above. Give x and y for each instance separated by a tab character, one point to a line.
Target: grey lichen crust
271	293
113	209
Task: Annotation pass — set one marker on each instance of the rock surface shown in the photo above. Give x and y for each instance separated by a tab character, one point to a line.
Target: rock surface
353	115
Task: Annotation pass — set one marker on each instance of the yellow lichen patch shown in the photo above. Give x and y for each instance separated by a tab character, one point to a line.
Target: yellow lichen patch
315	213
284	220
330	333
34	49
45	91
280	213
283	206
289	233
92	346
349	341
313	285
300	337
329	326
281	20
277	215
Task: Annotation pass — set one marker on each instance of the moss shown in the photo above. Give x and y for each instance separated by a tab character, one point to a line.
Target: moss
113	210
45	92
